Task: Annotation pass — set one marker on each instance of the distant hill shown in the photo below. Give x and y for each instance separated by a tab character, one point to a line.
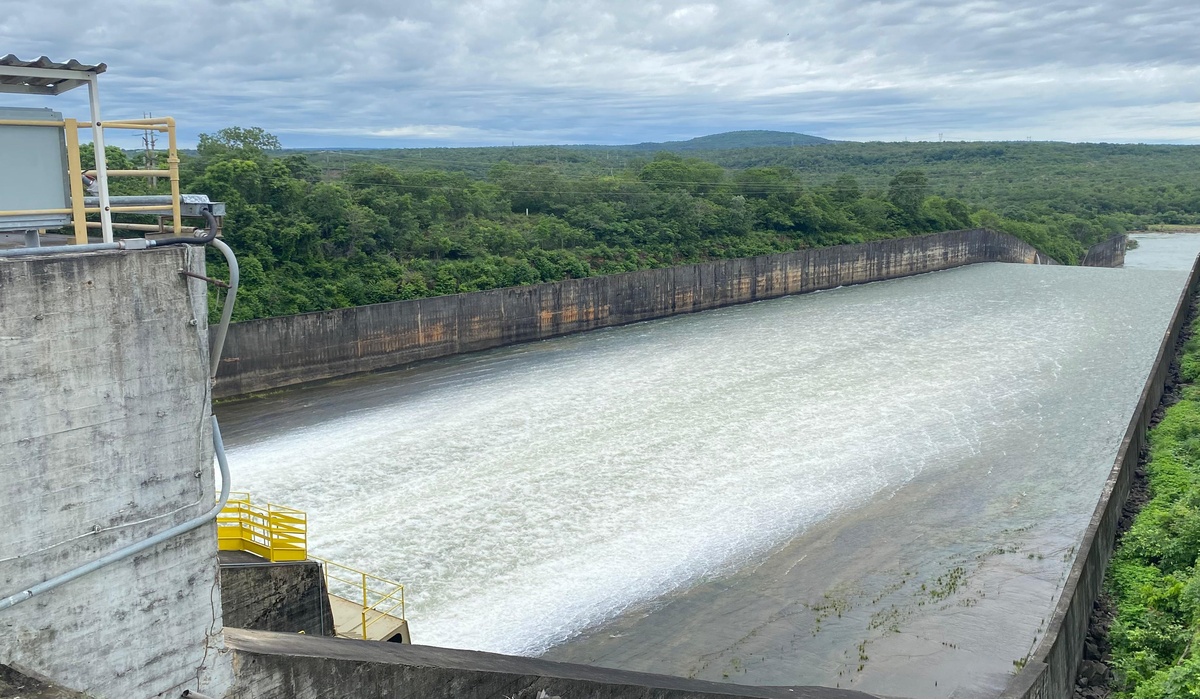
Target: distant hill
731	140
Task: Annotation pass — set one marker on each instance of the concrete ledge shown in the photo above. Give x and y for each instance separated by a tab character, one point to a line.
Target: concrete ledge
278	666
270	353
1110	253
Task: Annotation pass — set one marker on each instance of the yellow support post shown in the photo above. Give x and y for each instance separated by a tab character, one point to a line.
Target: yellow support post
75	175
173	166
364	604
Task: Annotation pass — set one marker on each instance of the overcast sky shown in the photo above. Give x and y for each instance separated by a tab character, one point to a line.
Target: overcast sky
394	73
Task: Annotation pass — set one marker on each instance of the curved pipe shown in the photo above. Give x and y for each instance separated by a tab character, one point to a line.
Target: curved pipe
209	235
121	554
227	312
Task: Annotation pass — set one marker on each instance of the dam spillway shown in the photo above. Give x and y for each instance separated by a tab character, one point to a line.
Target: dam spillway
877	487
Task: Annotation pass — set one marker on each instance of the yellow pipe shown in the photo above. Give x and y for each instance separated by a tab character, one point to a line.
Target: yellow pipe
132	173
173	167
74	174
29	122
161	121
131	127
36	212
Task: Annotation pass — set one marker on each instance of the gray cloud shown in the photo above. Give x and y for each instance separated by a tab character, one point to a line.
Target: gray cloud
496	71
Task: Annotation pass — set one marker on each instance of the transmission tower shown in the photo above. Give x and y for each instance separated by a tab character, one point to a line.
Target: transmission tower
149	143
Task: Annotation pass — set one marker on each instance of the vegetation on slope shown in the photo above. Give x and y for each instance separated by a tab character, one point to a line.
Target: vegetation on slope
325	230
1153	578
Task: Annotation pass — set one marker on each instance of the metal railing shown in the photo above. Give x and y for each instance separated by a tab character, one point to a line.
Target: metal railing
281	534
271	532
380	598
75	173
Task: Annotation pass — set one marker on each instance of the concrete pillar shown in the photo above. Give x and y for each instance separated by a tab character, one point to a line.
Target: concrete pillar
105	441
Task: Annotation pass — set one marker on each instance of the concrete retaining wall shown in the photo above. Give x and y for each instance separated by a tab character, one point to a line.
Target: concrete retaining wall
274	352
105	441
286	597
1050	670
291	666
1110	253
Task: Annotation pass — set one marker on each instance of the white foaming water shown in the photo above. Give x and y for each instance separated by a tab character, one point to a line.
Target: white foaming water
527	494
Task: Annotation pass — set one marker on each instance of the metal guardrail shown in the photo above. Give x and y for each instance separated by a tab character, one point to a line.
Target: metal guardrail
272	532
75	173
280	534
380	598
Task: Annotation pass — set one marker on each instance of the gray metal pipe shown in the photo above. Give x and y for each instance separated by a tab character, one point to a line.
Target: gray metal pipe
63	249
133	549
235	276
189	694
136	200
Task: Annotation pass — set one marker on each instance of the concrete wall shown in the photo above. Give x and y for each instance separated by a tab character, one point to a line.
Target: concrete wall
273	352
104	441
290	666
287	597
1050	670
1110	253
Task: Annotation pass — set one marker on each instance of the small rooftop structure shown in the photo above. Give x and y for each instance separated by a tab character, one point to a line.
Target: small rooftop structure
44	76
42	182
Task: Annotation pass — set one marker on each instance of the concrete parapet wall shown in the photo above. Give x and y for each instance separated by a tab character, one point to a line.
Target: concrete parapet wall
1110	253
287	597
273	352
105	441
291	666
1049	672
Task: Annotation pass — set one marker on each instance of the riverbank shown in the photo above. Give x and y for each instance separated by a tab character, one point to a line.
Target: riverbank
1143	632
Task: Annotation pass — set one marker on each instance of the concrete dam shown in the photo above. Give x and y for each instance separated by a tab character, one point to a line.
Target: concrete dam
879	487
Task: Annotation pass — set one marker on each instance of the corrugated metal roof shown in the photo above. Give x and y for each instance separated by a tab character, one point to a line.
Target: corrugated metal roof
50	84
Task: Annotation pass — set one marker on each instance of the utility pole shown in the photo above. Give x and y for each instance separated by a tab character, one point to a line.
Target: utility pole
149	143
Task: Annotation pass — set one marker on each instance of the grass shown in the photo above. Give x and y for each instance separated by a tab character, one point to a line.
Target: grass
1153	578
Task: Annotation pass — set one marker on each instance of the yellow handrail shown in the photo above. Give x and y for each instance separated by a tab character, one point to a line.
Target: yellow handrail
280	534
272	532
379	597
74	172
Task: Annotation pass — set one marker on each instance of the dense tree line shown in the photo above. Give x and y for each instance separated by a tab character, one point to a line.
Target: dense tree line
313	234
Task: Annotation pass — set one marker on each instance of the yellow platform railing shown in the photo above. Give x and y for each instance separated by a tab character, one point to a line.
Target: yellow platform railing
271	532
75	171
380	598
281	534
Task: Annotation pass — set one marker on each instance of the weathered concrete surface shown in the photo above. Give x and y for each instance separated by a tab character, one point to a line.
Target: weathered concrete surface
1050	670
289	666
16	685
1110	253
105	441
274	352
264	596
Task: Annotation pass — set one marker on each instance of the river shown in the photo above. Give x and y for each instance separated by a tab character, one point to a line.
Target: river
875	487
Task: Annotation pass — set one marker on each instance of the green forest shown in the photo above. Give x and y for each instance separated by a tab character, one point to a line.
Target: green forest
325	229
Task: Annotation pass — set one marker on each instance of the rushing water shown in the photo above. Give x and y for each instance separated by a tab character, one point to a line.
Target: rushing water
766	461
